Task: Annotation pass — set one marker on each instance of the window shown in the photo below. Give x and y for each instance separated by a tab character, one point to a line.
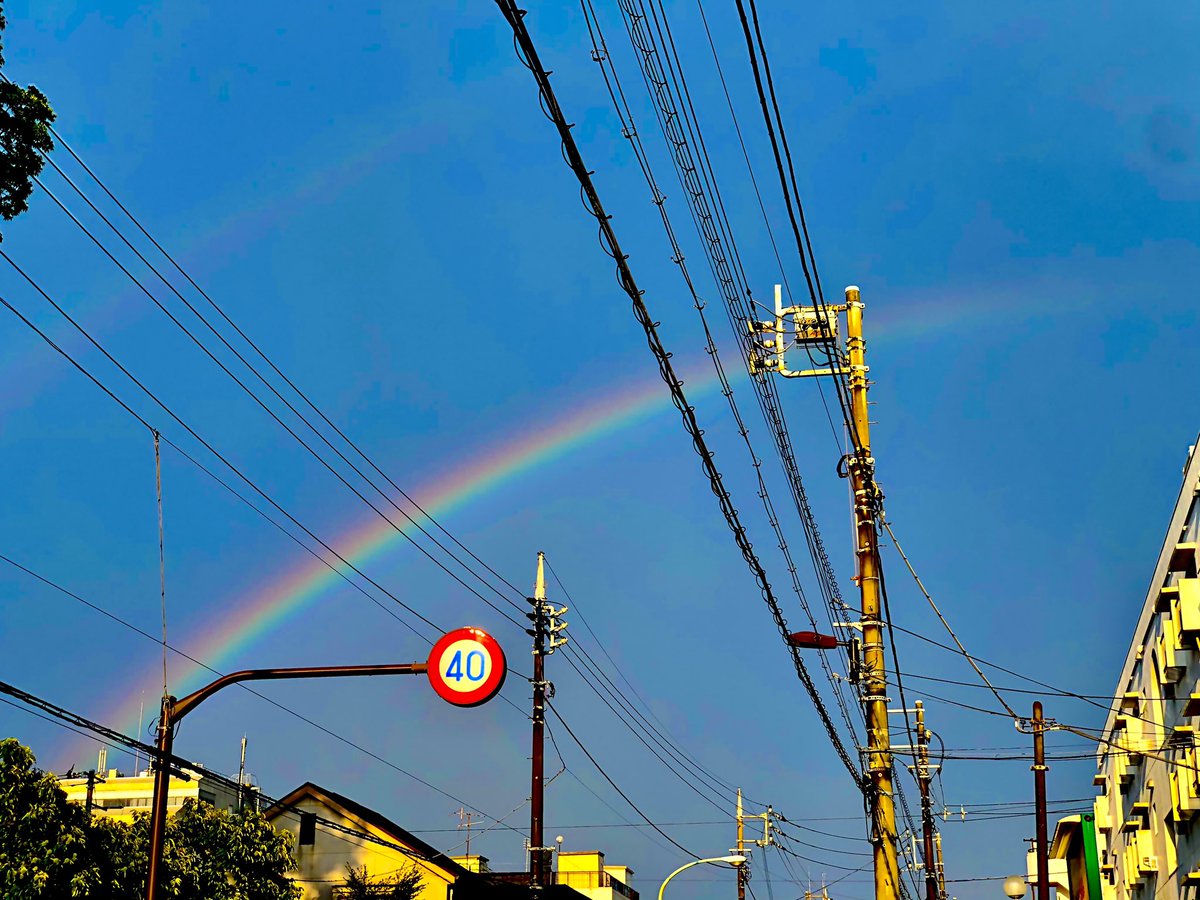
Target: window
308	829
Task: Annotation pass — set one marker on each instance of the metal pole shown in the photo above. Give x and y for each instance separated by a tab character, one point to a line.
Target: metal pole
91	791
941	868
173	710
1039	793
158	807
536	854
861	468
923	778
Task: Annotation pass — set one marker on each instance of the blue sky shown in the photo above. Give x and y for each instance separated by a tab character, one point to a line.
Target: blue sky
373	194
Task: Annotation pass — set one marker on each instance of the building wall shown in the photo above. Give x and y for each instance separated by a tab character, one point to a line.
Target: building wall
121	796
321	865
585	872
1150	799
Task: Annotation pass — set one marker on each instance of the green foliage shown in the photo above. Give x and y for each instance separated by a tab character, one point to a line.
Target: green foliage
216	855
402	885
44	848
25	117
49	849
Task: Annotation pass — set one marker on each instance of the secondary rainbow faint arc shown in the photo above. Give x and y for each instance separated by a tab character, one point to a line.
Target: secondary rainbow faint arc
255	615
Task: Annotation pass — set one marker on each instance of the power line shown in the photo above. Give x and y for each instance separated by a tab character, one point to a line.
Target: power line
658	726
637	809
241	333
74	721
527	53
697	181
270	412
245	687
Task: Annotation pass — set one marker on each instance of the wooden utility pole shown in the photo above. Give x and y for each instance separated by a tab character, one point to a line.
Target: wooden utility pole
1039	795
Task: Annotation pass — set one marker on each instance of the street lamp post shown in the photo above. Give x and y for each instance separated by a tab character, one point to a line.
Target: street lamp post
173	710
735	861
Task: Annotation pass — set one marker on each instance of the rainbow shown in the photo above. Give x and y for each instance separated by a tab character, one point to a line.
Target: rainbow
249	618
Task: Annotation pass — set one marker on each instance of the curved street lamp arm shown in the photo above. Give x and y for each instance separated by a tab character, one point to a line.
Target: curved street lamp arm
180	708
695	862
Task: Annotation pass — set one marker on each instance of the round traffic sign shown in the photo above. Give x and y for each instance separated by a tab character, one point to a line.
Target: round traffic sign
467	667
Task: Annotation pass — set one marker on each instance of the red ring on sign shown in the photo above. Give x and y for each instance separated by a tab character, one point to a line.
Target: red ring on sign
491	685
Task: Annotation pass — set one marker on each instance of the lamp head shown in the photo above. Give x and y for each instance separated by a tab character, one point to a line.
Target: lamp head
1014	887
735	860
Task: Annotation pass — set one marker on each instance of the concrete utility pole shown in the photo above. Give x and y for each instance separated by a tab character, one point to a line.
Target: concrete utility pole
743	873
1039	793
817	326
545	634
741	849
941	869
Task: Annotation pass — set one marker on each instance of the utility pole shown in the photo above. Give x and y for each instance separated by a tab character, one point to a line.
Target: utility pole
741	849
941	868
1039	793
818	326
924	777
743	869
91	791
545	633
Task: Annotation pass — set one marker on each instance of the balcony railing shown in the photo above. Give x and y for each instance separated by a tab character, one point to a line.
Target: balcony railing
581	881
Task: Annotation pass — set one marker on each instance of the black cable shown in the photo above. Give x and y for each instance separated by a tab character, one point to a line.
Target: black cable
409	518
243	477
637	731
212	450
712	237
658	726
528	55
77	721
245	687
65	145
637	809
270	412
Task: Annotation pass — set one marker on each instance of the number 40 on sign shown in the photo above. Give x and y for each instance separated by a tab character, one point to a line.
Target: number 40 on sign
467	667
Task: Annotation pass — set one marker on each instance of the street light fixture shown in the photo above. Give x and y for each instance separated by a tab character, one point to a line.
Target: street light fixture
1014	887
812	640
735	860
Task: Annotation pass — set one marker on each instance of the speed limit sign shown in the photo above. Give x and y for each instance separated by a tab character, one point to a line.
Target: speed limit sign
467	667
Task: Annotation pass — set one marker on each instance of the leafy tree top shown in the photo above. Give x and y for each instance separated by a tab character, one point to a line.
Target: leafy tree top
25	117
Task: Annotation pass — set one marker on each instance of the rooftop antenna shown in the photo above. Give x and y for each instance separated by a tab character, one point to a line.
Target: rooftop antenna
137	751
465	820
102	760
242	777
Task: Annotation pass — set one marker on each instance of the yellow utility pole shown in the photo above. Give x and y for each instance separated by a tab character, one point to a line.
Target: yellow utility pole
743	869
861	467
741	849
819	325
